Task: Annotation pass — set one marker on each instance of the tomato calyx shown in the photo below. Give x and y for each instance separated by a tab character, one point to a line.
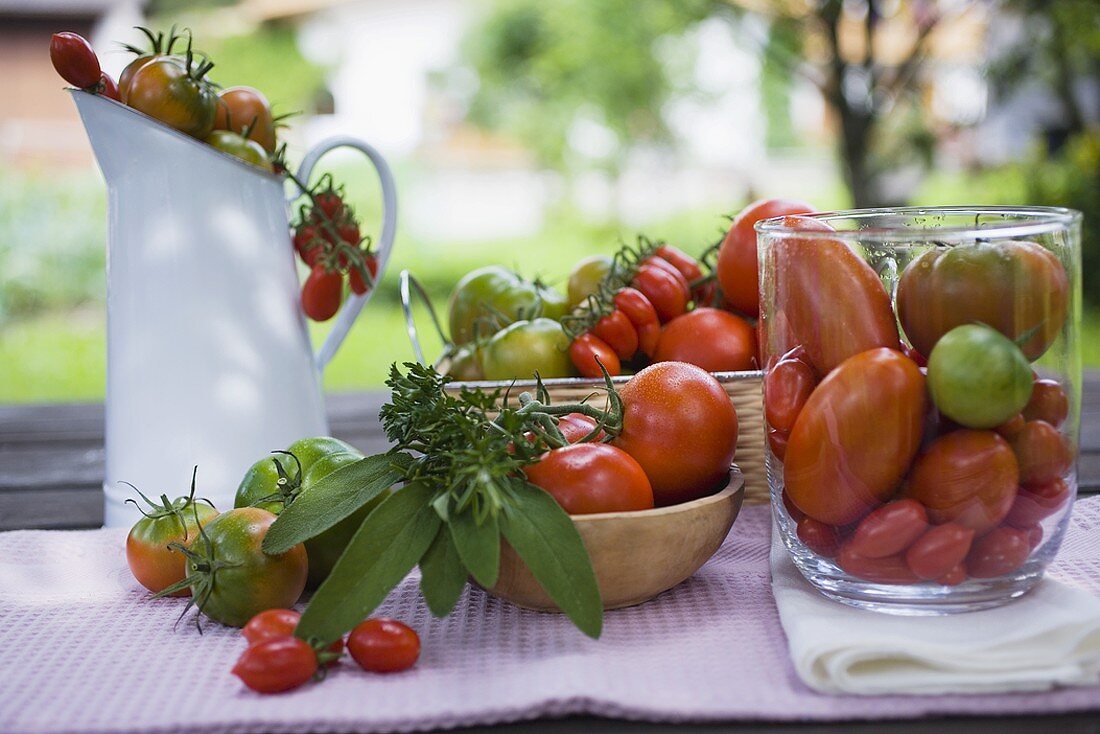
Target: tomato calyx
625	264
159	43
166	507
288	486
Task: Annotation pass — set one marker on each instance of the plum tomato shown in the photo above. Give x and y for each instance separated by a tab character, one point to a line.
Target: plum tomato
968	477
636	306
177	94
889	530
716	340
1001	551
585	277
787	387
1019	288
737	260
668	293
241	147
703	293
276	665
587	478
1048	402
825	297
777	442
589	353
954	577
241	108
153	563
680	425
384	645
939	550
107	87
322	293
977	377
856	436
822	539
888	570
525	347
1033	504
489	298
358	283
618	332
1042	453
649	337
792	509
273	623
74	59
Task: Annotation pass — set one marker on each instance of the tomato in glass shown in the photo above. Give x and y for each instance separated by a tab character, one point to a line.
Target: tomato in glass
968	477
822	539
274	623
175	92
977	377
276	665
787	387
1048	402
586	478
618	332
668	295
1019	288
1041	452
322	293
358	284
1034	536
680	425
1034	504
792	509
716	340
855	437
487	299
384	645
246	108
777	442
954	577
887	570
585	277
1001	551
153	563
939	550
737	259
525	347
1012	426
889	530
238	146
589	354
74	59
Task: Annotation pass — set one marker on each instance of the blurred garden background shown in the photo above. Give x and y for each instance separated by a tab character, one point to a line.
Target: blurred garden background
531	133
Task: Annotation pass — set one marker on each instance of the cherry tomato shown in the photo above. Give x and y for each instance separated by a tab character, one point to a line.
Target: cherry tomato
977	377
668	295
241	108
329	203
238	146
787	387
792	509
74	59
1016	287
1012	426
822	539
575	426
1001	551
954	577
967	477
167	89
660	262
649	338
1042	453
588	352
107	87
322	293
359	286
274	623
680	425
525	347
1048	402
856	436
832	302
702	295
153	563
384	646
716	340
618	332
888	570
586	478
636	306
737	267
777	442
276	665
889	530
348	231
1033	504
939	550
584	279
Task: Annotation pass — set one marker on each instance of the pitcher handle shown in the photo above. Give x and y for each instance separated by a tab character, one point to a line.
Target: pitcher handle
351	308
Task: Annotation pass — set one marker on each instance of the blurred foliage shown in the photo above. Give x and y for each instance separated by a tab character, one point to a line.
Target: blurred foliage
776	78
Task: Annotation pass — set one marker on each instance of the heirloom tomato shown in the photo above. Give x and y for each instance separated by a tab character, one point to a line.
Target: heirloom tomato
830	300
586	478
487	299
967	477
716	340
737	260
1019	288
238	146
889	530
276	665
1048	402
585	278
939	550
153	563
526	347
74	59
977	377
856	436
241	108
679	424
174	91
1001	551
384	645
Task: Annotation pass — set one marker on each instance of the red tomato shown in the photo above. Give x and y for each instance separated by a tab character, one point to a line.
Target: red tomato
716	340
968	477
384	645
703	294
737	268
888	570
74	59
575	426
940	550
832	301
107	87
660	262
619	333
668	295
274	623
1001	551
1034	536
787	387
889	530
358	285
309	243
1048	403
1033	504
680	425
954	577
1011	427
587	478
649	337
588	352
1042	453
792	509
636	306
245	107
329	202
777	442
276	664
856	436
321	293
822	539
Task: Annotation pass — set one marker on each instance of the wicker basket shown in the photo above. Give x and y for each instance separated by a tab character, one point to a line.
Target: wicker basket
744	389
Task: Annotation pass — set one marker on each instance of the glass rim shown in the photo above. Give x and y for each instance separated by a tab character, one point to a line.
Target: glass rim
1043	220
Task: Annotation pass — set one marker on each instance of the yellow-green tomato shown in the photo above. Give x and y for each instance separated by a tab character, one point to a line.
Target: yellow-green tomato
585	277
554	304
490	295
527	347
241	147
465	364
309	450
978	377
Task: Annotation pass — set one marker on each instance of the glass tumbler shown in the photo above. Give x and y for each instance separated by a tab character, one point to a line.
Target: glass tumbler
922	399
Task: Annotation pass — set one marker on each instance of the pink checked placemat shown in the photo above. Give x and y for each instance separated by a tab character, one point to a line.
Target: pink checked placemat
83	649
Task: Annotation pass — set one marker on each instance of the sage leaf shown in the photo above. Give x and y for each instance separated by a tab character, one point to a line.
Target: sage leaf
547	541
442	575
392	539
478	545
334	497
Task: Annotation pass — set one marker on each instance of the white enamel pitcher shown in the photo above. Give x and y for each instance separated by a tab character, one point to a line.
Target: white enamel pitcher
209	361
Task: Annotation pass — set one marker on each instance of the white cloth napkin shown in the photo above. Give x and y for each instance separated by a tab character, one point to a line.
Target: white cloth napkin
1048	638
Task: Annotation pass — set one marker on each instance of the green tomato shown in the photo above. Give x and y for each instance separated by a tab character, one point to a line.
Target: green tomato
261	486
465	364
585	277
244	148
491	294
525	347
309	450
978	377
554	304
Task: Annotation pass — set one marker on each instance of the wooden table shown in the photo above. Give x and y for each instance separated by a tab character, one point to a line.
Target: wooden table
51	476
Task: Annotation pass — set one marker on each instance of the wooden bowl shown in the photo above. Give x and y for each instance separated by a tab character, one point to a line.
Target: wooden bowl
636	555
